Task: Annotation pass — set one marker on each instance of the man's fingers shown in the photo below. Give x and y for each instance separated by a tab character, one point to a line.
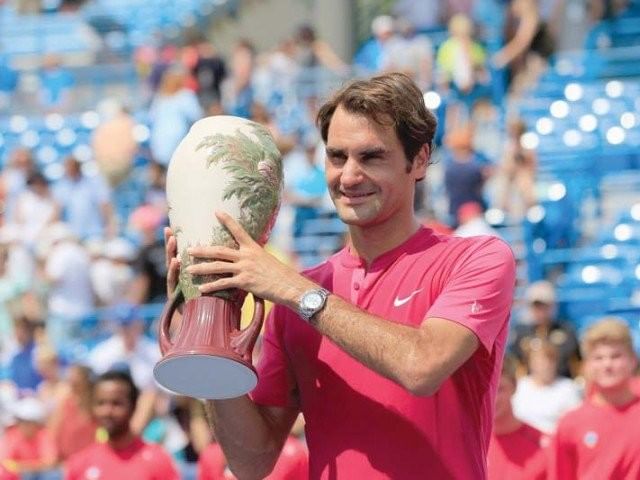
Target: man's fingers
213	252
173	273
212	268
236	230
220	284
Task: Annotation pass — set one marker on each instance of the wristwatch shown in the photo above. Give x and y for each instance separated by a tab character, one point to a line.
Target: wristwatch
311	302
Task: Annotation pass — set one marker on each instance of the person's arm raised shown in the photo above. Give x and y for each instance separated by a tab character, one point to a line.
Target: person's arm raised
250	435
419	359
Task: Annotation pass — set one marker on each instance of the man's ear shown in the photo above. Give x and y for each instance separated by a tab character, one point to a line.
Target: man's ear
421	162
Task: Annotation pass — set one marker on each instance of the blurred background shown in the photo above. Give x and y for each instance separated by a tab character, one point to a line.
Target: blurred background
539	128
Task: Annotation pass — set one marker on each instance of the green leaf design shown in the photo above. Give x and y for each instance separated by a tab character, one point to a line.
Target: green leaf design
255	171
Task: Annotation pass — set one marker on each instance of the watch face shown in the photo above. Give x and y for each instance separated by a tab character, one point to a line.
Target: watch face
313	301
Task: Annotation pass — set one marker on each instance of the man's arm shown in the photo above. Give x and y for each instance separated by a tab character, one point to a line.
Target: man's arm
250	435
419	359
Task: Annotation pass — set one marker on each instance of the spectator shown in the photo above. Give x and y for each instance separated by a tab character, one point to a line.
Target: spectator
164	429
52	389
471	221
598	439
542	397
372	55
310	52
150	267
528	44
14	179
22	368
28	446
127	346
172	112
539	322
72	424
465	173
85	202
124	454
238	91
112	278
67	276
461	62
410	53
517	451
10	290
517	171
425	14
156	194
305	186
36	209
209	71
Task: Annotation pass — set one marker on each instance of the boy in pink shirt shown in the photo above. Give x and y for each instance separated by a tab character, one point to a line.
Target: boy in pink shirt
392	348
600	439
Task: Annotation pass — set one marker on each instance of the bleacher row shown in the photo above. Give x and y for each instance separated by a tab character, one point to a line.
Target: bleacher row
119	26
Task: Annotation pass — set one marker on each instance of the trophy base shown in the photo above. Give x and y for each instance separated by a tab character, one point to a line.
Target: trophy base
205	375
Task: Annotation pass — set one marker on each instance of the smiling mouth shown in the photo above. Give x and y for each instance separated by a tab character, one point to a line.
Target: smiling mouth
355	195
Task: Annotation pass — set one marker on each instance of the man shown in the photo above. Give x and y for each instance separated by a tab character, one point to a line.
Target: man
398	336
600	438
516	450
541	323
28	447
124	454
85	202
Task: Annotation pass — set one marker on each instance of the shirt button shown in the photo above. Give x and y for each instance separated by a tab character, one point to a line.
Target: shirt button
356	286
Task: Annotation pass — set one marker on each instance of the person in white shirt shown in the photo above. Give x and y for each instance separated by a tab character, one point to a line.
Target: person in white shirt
128	345
542	397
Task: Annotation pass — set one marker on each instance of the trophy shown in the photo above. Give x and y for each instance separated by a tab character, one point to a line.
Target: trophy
229	164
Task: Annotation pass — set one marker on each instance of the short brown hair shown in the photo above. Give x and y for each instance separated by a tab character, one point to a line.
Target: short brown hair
608	330
392	99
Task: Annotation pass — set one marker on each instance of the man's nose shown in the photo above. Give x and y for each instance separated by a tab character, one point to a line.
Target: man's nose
351	172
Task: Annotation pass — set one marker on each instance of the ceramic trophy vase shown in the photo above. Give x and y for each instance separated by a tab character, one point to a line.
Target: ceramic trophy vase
223	164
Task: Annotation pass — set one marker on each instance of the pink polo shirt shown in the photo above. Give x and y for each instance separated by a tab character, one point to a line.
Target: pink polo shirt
360	424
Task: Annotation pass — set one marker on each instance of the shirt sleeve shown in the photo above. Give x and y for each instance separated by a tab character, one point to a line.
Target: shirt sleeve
479	292
276	384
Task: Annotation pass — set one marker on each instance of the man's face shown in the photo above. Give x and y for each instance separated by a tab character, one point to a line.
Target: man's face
610	365
367	173
112	408
541	312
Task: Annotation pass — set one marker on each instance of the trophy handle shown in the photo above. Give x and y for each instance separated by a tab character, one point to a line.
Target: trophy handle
243	341
165	320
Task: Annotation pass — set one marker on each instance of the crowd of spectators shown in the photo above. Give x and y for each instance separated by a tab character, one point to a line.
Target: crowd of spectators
66	253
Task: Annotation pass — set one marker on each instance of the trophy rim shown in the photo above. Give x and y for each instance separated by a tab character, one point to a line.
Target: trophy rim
213	374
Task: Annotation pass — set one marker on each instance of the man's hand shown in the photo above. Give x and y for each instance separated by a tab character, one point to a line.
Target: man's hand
250	268
171	260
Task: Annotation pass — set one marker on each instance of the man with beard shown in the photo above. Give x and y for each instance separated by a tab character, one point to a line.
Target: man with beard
123	454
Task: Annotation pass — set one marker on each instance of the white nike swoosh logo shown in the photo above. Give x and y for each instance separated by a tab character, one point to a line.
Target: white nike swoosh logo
398	302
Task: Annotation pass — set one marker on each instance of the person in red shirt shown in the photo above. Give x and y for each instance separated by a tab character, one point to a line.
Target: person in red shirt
517	451
392	348
293	463
600	439
28	447
72	424
124	455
